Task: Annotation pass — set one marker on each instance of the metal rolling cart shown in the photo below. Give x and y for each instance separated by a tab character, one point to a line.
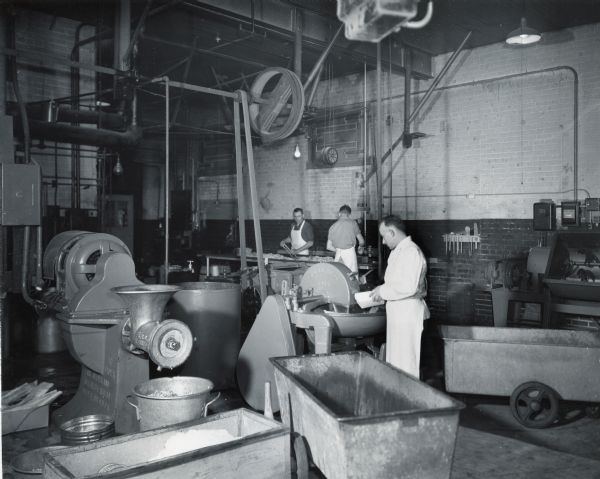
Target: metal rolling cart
355	416
535	367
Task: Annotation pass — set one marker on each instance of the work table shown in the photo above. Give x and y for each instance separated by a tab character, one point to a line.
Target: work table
364	262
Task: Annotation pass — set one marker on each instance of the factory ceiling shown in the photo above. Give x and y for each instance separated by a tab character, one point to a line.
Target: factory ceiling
233	39
224	43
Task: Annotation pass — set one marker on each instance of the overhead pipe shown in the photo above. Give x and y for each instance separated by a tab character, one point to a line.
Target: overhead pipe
298	42
378	162
406	137
109	120
313	90
49	111
4	320
424	21
80	135
75	153
167	179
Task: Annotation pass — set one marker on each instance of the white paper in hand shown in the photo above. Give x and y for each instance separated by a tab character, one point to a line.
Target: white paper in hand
365	301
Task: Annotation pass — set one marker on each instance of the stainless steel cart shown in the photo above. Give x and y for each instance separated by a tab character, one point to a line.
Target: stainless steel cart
535	367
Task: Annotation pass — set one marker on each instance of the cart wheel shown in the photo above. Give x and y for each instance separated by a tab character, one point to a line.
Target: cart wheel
593	411
534	405
301	456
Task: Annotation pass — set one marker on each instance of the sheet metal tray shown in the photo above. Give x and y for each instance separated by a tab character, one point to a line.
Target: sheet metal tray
495	361
261	450
362	418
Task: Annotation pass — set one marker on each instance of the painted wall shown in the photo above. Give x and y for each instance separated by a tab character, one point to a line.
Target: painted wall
500	136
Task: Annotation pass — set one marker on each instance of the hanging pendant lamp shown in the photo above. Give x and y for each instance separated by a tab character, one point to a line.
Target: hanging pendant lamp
523	35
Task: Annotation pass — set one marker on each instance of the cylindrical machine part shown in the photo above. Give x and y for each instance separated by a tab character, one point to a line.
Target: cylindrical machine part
168	343
212	311
48	334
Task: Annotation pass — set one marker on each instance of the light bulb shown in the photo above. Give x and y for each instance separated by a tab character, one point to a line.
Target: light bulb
297	153
118	168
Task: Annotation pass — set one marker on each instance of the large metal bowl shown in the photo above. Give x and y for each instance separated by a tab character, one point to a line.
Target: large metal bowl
353	321
85	429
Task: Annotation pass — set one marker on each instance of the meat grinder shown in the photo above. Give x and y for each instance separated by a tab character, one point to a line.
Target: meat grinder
112	323
324	307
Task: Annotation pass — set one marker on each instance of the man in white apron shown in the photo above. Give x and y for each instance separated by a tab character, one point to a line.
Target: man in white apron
301	235
404	290
342	238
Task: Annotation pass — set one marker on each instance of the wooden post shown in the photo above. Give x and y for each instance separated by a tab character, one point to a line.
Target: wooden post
262	273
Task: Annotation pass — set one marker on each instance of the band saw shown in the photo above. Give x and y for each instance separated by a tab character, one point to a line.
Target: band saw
112	323
323	306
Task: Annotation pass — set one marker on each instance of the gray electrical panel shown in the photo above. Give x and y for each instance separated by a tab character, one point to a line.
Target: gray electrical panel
20	192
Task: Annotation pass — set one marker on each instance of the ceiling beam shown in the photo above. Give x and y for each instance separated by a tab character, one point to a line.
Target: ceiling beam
276	17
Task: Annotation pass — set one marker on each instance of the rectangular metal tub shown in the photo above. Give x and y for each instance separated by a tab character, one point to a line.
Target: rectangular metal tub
495	361
261	450
362	418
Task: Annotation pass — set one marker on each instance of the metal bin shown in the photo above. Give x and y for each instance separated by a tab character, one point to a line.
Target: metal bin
361	417
259	448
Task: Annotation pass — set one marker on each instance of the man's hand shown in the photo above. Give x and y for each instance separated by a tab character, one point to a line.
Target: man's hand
361	249
375	295
282	244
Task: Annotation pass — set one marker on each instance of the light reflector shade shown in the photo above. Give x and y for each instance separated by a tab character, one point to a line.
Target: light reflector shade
523	35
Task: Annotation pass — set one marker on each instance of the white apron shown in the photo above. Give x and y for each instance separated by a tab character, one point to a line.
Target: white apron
347	257
403	335
297	240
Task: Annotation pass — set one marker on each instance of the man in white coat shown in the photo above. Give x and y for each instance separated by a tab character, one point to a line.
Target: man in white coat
404	290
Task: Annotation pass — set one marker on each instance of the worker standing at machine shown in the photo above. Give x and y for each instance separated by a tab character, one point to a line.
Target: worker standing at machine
302	236
404	290
342	238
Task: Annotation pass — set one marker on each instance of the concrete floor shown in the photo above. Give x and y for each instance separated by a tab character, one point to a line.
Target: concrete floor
490	443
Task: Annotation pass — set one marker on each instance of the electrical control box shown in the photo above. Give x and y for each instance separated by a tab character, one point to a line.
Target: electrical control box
569	213
544	216
20	194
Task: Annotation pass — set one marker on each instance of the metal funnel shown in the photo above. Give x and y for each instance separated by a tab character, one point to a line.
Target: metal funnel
145	302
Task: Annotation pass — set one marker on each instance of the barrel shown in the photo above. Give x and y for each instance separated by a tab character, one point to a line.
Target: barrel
212	311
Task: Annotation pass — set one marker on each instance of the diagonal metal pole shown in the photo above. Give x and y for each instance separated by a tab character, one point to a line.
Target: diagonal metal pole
262	273
240	192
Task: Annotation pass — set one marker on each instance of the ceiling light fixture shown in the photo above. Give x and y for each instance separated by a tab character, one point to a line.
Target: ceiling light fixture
297	153
523	35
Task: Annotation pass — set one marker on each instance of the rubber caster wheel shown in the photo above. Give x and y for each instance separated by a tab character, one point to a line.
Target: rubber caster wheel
534	405
300	456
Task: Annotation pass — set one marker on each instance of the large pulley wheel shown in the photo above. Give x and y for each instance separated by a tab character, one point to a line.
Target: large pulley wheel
535	405
277	104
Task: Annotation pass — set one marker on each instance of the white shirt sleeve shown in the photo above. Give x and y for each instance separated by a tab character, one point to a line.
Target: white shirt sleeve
402	275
